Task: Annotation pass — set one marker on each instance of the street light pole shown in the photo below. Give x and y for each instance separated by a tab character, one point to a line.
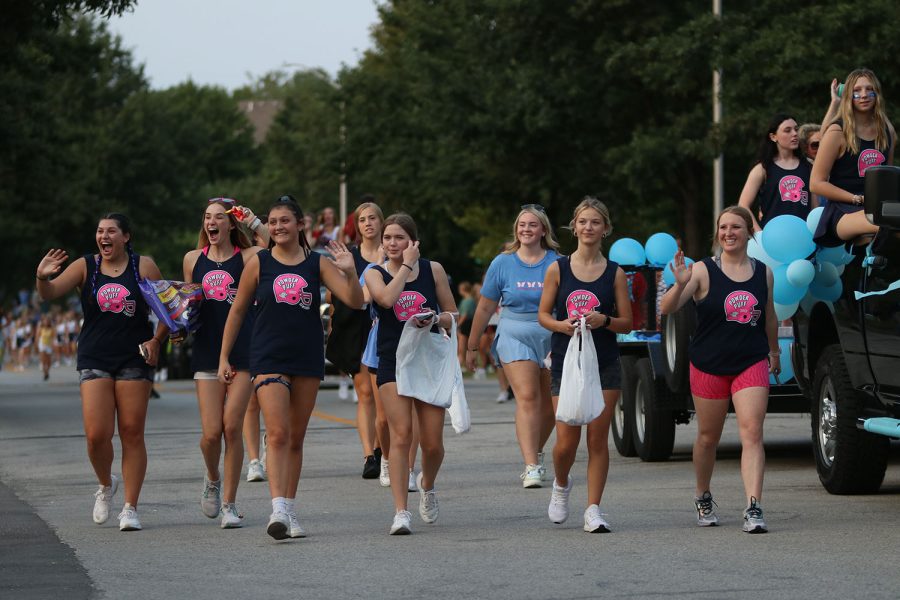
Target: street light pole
718	162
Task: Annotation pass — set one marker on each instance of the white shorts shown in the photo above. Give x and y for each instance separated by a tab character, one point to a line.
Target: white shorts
206	375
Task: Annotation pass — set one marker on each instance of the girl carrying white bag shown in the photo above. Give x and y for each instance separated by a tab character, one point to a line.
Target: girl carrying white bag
428	369
580	392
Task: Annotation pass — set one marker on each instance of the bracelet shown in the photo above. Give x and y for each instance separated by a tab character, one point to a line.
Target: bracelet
255	223
775	353
39	278
406	265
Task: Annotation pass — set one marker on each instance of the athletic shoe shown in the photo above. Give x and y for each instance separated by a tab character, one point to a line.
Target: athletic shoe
296	530
753	518
558	511
503	397
343	389
128	519
428	504
706	510
542	468
370	468
594	521
255	471
411	485
102	498
385	476
279	524
531	477
211	500
231	519
401	523
479	374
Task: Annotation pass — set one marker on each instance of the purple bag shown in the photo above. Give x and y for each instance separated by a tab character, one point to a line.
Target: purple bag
176	303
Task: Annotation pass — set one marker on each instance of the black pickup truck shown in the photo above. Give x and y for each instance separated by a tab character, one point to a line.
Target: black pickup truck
846	355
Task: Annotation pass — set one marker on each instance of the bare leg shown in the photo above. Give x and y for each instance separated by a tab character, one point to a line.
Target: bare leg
232	424
132	398
431	439
750	408
525	378
711	415
598	448
382	431
98	409
365	412
399	416
251	428
853	225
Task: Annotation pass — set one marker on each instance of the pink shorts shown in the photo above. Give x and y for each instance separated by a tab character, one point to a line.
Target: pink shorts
716	387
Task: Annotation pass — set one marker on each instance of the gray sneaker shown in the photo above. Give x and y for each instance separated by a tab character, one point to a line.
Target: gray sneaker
211	499
753	518
706	510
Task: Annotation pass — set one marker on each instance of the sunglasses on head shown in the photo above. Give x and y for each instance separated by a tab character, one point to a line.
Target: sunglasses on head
536	207
286	199
228	201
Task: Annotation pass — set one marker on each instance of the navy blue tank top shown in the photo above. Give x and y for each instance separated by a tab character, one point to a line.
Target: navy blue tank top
115	320
731	322
785	192
575	298
220	283
418	296
287	335
849	170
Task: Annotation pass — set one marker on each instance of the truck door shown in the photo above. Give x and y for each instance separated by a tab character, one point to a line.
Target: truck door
881	318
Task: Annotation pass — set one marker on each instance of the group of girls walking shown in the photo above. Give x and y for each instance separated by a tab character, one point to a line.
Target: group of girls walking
261	333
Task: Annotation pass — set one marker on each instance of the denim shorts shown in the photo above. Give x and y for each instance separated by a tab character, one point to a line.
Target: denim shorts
610	378
126	374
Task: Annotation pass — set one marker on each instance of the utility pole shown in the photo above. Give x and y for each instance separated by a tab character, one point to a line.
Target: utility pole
718	162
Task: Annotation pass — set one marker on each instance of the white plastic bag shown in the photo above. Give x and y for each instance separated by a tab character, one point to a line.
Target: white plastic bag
425	364
580	392
460	417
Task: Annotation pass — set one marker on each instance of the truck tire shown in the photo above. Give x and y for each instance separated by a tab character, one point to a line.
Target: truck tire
653	428
677	329
848	460
623	416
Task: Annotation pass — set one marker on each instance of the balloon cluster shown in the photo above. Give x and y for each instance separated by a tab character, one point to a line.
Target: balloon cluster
802	275
659	251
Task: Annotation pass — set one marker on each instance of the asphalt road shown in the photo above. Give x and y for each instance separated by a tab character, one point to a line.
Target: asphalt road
492	540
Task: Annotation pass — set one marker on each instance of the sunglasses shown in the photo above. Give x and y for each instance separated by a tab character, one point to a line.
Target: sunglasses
860	96
814	145
286	199
536	207
228	201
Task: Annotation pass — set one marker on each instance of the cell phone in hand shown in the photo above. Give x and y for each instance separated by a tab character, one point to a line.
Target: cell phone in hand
424	317
145	354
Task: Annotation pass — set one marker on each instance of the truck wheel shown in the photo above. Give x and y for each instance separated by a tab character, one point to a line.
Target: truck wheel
677	330
624	411
849	460
653	428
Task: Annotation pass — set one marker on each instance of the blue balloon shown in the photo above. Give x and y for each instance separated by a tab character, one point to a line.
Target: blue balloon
785	311
812	220
836	255
784	292
786	239
660	249
826	274
829	294
627	251
787	368
669	276
755	250
800	273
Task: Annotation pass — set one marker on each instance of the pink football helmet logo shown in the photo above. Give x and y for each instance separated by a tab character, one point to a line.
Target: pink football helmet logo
113	297
219	285
290	288
791	189
409	304
740	307
868	158
581	302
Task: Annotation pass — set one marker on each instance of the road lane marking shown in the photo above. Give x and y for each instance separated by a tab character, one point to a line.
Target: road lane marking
327	417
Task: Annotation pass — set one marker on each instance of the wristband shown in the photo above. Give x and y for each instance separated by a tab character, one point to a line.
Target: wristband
39	278
607	322
406	265
255	223
775	353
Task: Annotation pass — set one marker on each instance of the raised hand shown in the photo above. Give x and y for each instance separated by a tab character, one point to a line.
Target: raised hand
411	254
341	257
52	263
246	215
681	271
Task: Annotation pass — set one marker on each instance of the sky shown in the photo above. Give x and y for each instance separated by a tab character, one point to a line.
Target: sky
230	43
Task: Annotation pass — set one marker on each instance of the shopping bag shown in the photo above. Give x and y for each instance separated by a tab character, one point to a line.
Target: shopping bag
175	303
580	392
424	371
460	418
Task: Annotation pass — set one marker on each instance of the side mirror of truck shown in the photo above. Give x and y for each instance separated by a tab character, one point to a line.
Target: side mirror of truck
882	194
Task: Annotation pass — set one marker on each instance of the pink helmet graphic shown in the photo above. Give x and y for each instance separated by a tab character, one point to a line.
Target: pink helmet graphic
581	302
868	158
113	297
740	307
409	304
791	189
219	285
290	288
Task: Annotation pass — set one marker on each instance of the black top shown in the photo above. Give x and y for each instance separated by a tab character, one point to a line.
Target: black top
575	298
418	296
287	335
115	320
785	192
220	283
849	170
349	328
731	322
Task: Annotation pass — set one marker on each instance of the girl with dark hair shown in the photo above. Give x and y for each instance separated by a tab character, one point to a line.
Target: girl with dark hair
217	264
286	358
403	287
590	286
861	137
778	184
117	351
732	352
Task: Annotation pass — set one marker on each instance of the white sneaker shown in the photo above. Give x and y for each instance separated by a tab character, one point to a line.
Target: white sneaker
384	477
231	519
128	519
211	499
343	389
296	530
401	525
412	485
102	498
503	397
531	477
479	374
594	521
428	504
542	468
558	511
279	524
355	397
255	471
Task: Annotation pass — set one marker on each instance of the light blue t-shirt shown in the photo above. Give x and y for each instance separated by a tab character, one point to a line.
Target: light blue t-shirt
516	284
